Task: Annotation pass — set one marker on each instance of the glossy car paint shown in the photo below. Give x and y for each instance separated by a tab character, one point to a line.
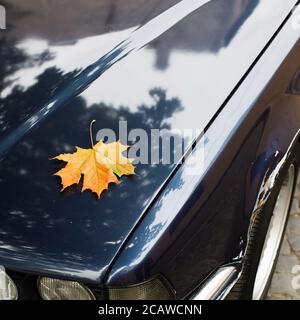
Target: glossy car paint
190	70
208	217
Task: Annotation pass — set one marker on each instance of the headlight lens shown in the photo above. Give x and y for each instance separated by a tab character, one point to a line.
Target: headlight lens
8	290
154	289
55	289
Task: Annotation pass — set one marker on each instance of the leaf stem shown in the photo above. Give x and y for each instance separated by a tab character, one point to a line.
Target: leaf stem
91	132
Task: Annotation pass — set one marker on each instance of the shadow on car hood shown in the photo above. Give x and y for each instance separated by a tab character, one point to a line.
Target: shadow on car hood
52	88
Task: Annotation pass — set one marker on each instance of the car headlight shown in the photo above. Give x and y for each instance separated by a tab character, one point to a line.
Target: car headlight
8	289
154	289
55	289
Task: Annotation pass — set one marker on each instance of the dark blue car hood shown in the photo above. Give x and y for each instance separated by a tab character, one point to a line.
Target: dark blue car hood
60	68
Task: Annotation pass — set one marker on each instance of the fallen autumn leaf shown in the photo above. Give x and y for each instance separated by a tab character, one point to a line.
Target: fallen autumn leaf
99	166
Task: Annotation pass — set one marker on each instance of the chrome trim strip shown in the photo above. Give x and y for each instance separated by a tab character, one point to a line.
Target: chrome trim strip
219	284
271	177
269	181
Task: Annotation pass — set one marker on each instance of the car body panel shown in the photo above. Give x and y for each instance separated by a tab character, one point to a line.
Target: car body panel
199	223
73	235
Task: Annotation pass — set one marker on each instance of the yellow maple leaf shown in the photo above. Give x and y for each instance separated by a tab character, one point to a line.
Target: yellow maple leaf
98	165
111	155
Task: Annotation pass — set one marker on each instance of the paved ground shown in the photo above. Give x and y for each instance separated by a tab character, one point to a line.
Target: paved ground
286	280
